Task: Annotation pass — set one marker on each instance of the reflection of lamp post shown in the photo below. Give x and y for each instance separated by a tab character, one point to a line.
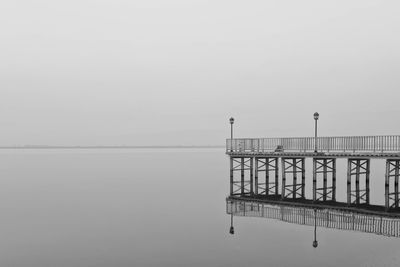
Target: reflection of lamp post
315	242
231	230
316	116
231	121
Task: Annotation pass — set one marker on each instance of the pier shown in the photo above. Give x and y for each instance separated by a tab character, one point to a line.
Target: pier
273	170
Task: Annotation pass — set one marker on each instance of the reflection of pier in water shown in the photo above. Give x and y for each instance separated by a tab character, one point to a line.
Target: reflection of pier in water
268	179
317	215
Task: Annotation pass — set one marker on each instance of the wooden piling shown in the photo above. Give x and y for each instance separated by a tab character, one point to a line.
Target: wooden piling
314	179
294	178
357	181
231	176
396	184
276	176
387	184
256	176
325	177
334	179
251	177
349	162
242	176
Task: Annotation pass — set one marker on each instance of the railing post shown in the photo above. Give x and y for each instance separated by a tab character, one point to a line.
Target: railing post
374	143
329	144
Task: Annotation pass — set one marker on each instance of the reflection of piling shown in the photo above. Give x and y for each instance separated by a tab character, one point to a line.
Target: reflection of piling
323	217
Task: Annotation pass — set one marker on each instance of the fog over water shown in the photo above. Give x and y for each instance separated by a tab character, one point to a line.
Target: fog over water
172	72
147	207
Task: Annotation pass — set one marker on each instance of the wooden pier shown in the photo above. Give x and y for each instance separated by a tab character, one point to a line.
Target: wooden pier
274	168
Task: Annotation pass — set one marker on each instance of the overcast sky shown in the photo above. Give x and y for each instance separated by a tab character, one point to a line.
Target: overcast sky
166	72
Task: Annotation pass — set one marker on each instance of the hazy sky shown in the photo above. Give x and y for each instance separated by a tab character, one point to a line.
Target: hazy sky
172	72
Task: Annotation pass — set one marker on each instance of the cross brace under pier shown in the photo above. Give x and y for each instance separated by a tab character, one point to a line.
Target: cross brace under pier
266	176
291	168
241	176
322	168
392	184
358	168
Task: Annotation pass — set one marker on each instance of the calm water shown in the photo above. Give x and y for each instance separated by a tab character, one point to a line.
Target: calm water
153	208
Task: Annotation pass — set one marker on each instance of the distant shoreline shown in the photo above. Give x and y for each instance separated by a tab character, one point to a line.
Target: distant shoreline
104	147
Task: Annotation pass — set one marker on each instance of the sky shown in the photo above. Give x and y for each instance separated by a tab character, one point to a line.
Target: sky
158	72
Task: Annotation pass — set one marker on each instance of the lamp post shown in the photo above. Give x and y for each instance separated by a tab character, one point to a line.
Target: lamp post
315	242
231	121
316	116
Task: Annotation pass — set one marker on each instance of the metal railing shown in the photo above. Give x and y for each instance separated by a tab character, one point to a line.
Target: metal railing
377	144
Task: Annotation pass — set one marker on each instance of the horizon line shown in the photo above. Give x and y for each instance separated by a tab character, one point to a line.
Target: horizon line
107	146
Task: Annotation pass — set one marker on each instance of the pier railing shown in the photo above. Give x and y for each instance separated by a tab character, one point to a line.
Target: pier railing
376	144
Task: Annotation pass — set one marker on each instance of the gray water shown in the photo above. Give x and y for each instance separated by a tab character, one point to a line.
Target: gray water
152	207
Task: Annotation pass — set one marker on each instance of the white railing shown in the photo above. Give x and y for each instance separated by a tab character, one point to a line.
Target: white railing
377	144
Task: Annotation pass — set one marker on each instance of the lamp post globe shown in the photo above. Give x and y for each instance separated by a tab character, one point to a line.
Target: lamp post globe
231	230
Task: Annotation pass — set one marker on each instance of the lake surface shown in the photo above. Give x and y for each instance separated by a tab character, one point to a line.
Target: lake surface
155	207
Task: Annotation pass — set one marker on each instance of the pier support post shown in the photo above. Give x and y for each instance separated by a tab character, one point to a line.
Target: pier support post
251	177
358	168
231	176
241	176
266	167
324	168
290	168
256	182
334	180
392	184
